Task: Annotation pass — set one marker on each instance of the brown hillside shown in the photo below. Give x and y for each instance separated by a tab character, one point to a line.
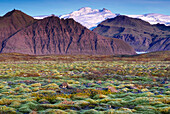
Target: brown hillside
12	22
141	35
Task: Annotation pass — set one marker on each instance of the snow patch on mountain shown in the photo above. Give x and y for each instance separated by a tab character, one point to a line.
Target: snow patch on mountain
141	52
40	17
88	17
154	18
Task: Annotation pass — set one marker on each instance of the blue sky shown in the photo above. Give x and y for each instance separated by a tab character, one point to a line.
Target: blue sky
58	7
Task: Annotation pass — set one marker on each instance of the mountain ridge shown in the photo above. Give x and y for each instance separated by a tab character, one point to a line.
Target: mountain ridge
141	35
53	35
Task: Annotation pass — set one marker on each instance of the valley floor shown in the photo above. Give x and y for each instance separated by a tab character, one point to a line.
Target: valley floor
85	84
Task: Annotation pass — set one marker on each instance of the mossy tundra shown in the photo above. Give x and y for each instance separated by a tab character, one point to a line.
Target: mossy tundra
85	86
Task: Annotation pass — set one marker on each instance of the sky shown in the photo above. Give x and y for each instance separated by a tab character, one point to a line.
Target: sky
60	7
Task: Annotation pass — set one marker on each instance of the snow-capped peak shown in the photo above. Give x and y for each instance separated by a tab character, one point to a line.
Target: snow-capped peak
81	11
90	17
84	9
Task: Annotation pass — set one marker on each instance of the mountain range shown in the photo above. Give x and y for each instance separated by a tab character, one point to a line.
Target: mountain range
141	35
90	18
21	33
116	35
145	33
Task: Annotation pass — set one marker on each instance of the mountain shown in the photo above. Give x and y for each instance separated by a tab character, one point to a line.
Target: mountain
53	35
12	22
90	18
141	35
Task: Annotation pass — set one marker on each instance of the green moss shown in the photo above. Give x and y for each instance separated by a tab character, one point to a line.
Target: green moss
43	100
110	111
7	110
91	111
147	109
100	96
15	104
112	95
165	110
122	112
91	101
99	108
5	101
82	103
115	104
71	111
28	93
31	105
55	111
51	86
25	109
28	107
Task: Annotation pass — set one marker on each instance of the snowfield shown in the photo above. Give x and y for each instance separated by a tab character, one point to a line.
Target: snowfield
154	18
88	17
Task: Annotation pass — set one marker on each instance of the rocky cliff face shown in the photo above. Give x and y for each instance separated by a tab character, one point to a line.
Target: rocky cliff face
58	36
141	35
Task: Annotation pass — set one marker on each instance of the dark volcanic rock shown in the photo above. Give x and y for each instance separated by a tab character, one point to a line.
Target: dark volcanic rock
141	35
58	36
64	85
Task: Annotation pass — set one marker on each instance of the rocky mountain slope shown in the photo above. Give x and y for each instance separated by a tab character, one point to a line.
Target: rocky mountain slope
141	35
53	35
11	23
